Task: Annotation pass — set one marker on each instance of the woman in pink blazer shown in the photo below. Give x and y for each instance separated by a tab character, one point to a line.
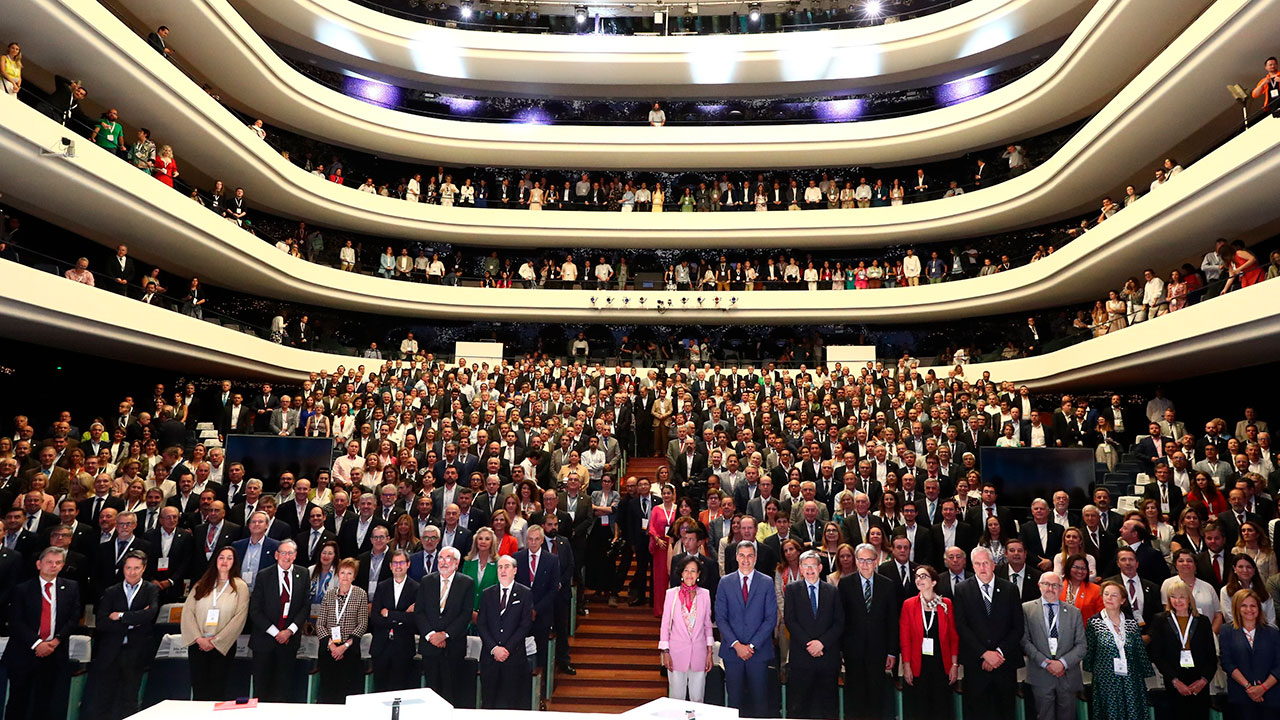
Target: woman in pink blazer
685	634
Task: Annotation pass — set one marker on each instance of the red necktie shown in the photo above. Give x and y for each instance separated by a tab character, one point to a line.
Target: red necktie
744	590
1217	568
284	604
208	542
46	611
533	566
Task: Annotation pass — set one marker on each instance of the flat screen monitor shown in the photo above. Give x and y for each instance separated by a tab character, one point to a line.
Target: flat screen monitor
266	457
1024	474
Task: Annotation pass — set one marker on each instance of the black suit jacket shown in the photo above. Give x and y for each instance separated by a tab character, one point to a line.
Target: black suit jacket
264	606
870	635
1176	501
230	533
1165	649
288	514
1030	580
347	538
827	626
505	629
767	556
137	623
889	568
393	633
25	607
1151	605
966	539
108	564
243	424
452	621
1036	552
86	508
303	539
180	551
980	631
366	566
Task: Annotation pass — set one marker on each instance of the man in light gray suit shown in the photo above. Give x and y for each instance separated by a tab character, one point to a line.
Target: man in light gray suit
284	419
1053	639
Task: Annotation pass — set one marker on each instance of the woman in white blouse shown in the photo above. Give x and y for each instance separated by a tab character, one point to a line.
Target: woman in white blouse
1244	575
344	424
811	276
1254	543
1184	565
1073	544
467	193
447	191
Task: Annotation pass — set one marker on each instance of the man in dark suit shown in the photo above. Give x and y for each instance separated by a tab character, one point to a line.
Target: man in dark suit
1041	538
634	522
767	553
210	537
859	524
121	270
392	624
279	606
296	512
311	538
814	616
262	405
870	640
157	41
375	565
427	560
951	532
956	572
1142	597
108	560
1214	564
355	537
689	465
1151	564
1165	492
900	569
559	548
504	621
1151	448
10	575
1024	577
122	642
989	621
92	507
171	550
237	418
42	612
1035	431
989	507
443	625
540	572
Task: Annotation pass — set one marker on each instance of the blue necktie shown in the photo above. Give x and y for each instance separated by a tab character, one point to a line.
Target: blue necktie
813	600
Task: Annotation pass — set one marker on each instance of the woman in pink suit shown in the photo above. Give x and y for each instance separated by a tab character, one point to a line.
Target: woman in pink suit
684	634
660	519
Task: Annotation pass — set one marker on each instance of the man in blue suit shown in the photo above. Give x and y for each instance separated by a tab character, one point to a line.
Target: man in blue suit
746	612
39	638
539	571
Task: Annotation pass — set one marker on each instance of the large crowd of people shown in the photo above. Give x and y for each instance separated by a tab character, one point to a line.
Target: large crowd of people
824	519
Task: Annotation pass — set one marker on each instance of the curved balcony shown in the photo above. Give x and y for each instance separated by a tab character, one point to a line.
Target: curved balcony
949	44
53	312
1075	81
96	195
1180	91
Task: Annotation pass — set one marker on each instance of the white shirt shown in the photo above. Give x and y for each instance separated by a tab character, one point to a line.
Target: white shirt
911	266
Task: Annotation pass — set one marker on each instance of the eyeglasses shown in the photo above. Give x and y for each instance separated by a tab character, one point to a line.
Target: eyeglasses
399	562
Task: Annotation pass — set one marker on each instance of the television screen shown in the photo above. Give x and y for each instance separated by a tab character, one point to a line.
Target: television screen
1024	474
266	457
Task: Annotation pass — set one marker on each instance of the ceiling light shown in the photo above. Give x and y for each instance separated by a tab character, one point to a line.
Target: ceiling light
464	8
754	11
872	9
580	13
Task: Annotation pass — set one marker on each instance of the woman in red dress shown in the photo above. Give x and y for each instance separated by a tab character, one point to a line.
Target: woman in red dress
165	168
1244	269
659	519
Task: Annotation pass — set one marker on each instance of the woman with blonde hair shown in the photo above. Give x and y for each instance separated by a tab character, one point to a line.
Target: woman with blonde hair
166	170
11	70
1182	649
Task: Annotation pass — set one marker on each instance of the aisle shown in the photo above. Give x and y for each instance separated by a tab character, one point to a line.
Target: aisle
615	650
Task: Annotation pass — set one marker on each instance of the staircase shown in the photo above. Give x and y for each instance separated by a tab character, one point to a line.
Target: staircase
615	650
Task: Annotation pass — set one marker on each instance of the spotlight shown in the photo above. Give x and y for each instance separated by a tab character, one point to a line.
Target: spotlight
464	8
580	14
642	300
733	301
873	9
754	11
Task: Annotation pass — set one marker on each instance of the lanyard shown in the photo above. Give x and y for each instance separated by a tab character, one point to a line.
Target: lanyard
1184	636
1117	635
339	612
217	592
928	621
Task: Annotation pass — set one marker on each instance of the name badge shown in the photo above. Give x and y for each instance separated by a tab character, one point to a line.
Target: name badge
111	137
1184	659
926	646
644	523
162	563
1053	647
211	617
604	520
1275	92
336	633
1120	665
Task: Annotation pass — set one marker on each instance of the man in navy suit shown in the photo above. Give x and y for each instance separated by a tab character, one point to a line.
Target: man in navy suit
504	621
870	639
256	552
427	560
443	625
746	613
122	642
815	618
392	622
989	621
279	606
540	572
452	534
42	612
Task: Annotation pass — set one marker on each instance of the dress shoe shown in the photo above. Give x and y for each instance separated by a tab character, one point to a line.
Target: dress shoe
567	669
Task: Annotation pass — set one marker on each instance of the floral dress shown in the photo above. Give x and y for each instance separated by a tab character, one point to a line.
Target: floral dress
1116	697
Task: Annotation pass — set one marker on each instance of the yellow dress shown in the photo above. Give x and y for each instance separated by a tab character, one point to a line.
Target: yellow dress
658	199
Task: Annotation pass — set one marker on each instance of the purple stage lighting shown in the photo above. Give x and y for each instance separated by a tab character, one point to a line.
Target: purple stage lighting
964	89
843	110
460	105
372	91
533	116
